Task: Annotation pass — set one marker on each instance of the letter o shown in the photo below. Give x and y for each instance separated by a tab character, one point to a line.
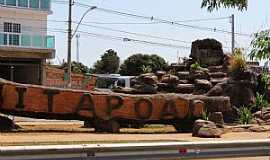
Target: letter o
138	113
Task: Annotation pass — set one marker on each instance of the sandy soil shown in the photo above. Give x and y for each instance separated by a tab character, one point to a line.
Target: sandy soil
72	133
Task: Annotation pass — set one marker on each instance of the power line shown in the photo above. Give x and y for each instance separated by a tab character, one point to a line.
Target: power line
137	34
203	19
152	18
115	30
123	39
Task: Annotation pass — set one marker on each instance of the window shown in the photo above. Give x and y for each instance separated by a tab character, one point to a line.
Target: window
37	41
14	39
34	3
3	39
11	2
16	28
25	40
12	27
7	27
45	4
2	1
23	3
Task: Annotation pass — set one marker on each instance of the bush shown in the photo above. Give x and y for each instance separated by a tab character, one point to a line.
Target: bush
195	66
141	63
238	62
76	67
244	114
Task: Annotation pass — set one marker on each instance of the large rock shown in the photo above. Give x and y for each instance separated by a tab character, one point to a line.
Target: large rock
170	79
247	78
148	78
217	117
262	116
206	129
185	88
239	93
199	75
183	75
146	89
207	52
215	91
218	75
202	84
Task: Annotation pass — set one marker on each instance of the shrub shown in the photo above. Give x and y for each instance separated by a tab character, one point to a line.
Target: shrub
238	62
244	114
195	66
206	114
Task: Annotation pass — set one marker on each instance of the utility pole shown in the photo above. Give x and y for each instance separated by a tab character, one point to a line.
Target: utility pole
68	84
78	48
233	34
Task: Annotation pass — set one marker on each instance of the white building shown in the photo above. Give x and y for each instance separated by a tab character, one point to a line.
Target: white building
24	43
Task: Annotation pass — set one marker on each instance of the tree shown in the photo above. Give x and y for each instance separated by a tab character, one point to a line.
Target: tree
261	46
108	64
76	67
216	4
139	63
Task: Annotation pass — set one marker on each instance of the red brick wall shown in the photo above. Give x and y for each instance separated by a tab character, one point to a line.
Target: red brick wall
55	77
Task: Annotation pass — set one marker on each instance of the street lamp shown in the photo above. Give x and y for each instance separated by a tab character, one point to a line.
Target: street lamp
70	36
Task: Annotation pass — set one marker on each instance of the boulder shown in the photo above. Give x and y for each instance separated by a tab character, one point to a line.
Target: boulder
183	75
202	84
183	82
207	52
178	67
148	78
146	89
215	81
239	93
170	79
185	88
247	78
198	75
217	117
206	129
160	74
218	75
215	91
215	104
162	87
216	68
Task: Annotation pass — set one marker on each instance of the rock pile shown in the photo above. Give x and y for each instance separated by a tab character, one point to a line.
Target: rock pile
262	117
206	129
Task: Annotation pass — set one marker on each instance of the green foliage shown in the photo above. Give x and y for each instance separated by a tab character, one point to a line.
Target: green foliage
238	62
146	69
195	66
140	63
260	102
108	64
260	46
216	4
245	114
265	80
77	67
206	114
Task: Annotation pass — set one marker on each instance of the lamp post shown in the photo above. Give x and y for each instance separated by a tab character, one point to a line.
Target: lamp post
70	36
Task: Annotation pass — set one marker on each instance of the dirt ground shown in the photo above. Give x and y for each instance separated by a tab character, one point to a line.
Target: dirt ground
72	132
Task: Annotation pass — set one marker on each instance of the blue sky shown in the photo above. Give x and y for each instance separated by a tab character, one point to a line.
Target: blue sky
256	18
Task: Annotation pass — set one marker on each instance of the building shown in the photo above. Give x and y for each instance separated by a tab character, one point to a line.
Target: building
24	43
